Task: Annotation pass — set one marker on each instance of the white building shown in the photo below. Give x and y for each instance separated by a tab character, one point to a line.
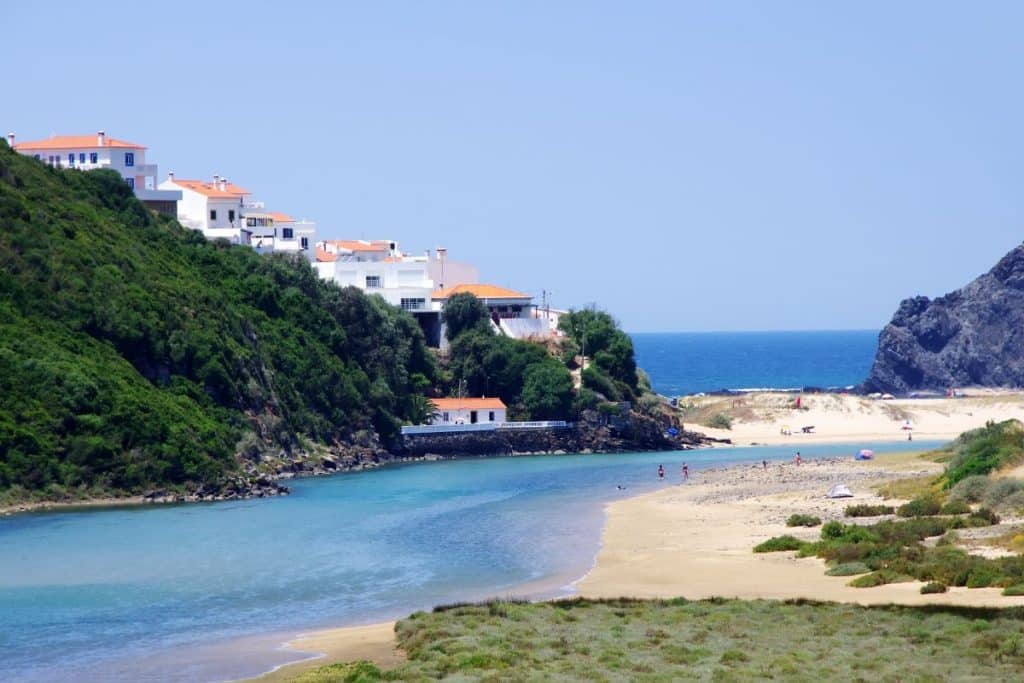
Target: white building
275	231
468	411
378	267
88	152
215	207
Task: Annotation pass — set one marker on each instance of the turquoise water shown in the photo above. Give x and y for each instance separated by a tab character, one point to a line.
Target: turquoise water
206	591
687	363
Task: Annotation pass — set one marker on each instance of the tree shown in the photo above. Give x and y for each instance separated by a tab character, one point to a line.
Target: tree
463	312
547	391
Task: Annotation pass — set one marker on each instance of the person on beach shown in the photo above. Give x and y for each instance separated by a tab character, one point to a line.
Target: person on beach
661	471
798	459
686	471
764	463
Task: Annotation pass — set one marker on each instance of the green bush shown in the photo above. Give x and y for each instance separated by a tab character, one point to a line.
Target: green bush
719	421
803	520
970	489
984	450
864	510
955	507
933	587
778	544
925	506
848	569
879	578
1016	589
832	530
1014	502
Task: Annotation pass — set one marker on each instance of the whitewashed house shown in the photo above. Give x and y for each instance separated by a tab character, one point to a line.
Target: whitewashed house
459	411
215	207
276	232
378	267
88	152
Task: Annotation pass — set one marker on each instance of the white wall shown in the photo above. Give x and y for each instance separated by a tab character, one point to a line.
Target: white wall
464	417
455	273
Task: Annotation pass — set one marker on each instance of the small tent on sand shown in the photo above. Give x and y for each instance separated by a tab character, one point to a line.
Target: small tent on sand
839	491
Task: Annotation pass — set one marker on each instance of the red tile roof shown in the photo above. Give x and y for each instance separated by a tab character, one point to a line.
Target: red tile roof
75	142
481	292
325	256
209	189
468	403
360	245
281	217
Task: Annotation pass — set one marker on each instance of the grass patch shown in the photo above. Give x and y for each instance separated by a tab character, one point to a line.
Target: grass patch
703	640
865	510
925	506
985	450
1018	589
908	487
803	520
779	544
719	421
848	569
934	587
955	507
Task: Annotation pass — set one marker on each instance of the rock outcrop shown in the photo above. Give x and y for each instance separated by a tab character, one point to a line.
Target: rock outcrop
971	337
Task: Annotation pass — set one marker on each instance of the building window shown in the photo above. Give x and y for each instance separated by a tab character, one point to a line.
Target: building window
413	304
231	216
213	214
81	157
288	233
304	242
38	158
373	282
129	158
490	416
131	182
445	417
94	158
71	159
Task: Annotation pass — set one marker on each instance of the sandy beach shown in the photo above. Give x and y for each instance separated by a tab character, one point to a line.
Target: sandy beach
762	418
695	540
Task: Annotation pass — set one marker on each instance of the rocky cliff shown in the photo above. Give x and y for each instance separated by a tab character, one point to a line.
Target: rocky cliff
971	337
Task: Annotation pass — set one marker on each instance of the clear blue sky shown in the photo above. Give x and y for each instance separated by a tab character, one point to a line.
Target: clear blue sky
687	166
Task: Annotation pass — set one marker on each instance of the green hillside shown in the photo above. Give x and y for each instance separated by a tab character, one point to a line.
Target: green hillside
134	353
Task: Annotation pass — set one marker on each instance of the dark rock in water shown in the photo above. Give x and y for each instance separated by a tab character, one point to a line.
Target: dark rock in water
971	337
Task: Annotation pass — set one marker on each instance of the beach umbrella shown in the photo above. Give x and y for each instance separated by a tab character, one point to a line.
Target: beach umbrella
865	454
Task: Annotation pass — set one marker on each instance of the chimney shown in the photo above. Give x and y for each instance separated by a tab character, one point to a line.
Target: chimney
101	139
10	140
223	184
170	176
441	253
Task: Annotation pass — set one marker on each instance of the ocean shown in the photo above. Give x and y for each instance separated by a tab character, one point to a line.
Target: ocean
688	363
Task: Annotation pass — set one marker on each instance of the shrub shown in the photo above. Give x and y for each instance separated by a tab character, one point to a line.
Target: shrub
971	489
803	520
719	421
864	510
1014	502
1017	589
848	569
832	530
955	507
933	587
924	506
1000	490
779	543
879	578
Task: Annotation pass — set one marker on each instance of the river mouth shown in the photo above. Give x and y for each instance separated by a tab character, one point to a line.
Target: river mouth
206	592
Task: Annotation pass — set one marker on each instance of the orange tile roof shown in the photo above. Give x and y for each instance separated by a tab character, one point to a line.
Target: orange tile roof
281	217
325	256
481	292
360	245
468	403
210	190
75	142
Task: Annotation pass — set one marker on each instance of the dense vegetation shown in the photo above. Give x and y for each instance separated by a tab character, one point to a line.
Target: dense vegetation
727	640
533	379
984	450
135	353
